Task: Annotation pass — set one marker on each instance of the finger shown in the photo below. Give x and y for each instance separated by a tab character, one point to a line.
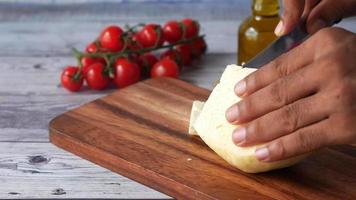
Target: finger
323	15
283	91
327	12
282	66
283	121
308	7
292	12
299	142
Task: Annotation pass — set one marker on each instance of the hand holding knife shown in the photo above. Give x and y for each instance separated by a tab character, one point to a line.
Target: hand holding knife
279	46
306	99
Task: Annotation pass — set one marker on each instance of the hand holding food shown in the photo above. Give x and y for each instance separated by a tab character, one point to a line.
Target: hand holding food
209	122
302	101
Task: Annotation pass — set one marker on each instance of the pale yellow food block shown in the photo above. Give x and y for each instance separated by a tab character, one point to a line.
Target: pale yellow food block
197	106
216	131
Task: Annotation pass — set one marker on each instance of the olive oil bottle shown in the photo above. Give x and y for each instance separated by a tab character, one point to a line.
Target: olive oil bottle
257	31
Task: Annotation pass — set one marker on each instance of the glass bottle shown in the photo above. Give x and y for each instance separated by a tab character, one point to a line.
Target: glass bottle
257	31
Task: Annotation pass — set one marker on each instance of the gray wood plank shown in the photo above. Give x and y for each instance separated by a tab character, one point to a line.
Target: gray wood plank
34	96
52	28
40	28
41	170
124	9
29	98
37	38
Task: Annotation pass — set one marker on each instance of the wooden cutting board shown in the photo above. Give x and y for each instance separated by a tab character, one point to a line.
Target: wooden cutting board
141	132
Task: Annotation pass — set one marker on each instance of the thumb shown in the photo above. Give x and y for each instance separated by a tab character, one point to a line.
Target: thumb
292	12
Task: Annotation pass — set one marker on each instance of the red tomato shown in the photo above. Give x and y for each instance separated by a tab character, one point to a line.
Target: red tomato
87	62
191	28
185	54
171	54
111	40
92	48
146	61
172	31
68	80
96	78
126	72
150	35
198	47
134	57
165	67
134	43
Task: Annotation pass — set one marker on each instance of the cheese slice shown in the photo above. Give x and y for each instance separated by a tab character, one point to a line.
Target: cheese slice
216	131
197	106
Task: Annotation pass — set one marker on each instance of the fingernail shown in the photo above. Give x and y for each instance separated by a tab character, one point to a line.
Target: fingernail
279	29
262	154
232	113
239	135
316	25
240	88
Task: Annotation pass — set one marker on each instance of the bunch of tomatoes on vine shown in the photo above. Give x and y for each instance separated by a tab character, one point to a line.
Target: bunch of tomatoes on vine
122	58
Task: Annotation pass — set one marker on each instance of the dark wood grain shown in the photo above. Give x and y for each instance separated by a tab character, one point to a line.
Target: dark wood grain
141	132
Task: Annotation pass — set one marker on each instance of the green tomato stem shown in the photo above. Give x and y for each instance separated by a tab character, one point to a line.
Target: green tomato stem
141	51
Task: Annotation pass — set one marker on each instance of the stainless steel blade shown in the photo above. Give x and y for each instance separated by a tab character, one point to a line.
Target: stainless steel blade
278	47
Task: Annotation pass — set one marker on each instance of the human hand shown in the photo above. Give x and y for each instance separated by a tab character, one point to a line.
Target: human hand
318	14
302	101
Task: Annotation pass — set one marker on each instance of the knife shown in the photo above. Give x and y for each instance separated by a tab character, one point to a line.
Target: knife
279	46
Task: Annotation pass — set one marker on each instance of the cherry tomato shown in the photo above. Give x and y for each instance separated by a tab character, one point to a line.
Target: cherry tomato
191	28
146	61
126	72
111	40
165	67
172	31
150	35
96	77
68	79
174	55
134	43
87	62
134	57
171	54
198	47
185	54
92	48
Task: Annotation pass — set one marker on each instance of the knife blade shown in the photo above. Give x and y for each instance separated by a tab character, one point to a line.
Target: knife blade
279	46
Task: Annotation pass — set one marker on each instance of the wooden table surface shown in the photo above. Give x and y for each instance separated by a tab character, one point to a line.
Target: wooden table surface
35	41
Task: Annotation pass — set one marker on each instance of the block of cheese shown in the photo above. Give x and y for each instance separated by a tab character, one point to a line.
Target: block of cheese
197	106
216	131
